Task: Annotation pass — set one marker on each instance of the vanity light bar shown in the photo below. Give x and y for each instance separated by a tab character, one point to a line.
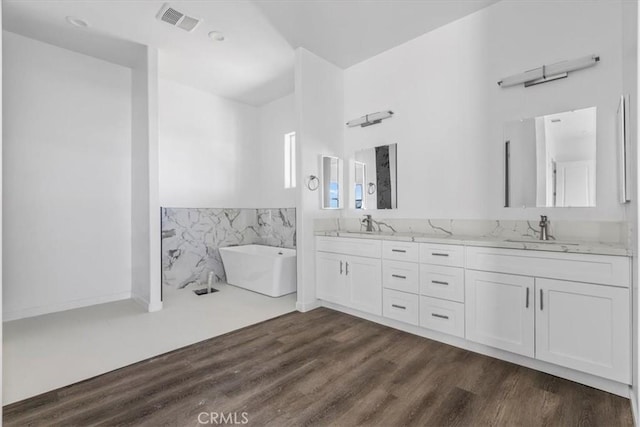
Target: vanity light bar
370	119
548	73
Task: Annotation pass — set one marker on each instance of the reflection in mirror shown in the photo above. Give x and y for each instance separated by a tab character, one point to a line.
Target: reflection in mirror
360	174
551	160
375	178
331	183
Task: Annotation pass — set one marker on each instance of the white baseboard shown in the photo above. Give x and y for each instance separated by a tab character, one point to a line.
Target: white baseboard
634	407
610	386
144	303
307	306
62	306
155	306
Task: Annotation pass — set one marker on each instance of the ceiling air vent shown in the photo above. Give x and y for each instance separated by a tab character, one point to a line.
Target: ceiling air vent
177	19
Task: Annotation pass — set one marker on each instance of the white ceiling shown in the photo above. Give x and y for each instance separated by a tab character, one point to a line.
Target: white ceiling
346	32
254	64
572	125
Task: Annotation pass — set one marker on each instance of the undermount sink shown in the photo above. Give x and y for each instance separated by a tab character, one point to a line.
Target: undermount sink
544	242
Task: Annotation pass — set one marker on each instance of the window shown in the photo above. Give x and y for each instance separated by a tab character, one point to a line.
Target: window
290	160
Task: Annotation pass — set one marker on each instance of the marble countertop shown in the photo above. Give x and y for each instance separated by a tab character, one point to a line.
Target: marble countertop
599	248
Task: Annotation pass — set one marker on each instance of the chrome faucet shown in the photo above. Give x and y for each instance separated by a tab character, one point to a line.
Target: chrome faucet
544	225
368	221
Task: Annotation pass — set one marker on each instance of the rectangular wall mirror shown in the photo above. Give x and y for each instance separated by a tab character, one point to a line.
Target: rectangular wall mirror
331	182
550	160
375	182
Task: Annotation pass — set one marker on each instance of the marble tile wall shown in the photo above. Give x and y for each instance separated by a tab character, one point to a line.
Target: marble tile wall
191	238
586	231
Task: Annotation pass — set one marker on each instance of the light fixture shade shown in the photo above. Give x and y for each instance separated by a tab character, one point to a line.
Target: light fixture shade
517	79
551	72
572	65
370	119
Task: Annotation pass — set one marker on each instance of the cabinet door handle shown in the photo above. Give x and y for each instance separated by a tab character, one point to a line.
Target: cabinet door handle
340	267
527	304
398	276
401	307
438	282
438	254
346	268
541	306
399	250
440	316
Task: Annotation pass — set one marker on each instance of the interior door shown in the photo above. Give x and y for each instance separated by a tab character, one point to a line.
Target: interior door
584	327
499	311
575	184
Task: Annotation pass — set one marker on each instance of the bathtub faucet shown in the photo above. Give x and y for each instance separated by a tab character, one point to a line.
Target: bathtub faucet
368	221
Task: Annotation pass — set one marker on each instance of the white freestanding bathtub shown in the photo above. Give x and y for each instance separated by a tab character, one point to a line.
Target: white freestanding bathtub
264	269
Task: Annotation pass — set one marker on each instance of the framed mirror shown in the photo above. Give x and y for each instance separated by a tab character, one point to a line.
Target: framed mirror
550	160
331	182
375	181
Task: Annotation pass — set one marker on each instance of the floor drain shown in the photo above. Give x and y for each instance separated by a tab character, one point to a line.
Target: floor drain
204	291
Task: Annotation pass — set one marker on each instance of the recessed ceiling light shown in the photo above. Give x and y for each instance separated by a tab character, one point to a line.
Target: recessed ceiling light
216	36
77	22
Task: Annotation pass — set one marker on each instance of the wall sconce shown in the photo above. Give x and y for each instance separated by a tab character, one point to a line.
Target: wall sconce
370	119
548	73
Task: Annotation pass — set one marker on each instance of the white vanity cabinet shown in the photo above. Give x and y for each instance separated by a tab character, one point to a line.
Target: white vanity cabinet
442	288
500	311
570	310
582	323
401	276
330	278
400	279
584	327
364	281
400	306
346	278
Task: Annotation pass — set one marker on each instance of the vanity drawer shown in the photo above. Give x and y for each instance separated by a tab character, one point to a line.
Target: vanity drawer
442	282
370	248
400	275
589	268
400	251
400	306
441	315
438	254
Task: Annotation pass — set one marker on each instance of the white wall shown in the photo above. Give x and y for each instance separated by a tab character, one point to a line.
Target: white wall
208	149
630	34
215	152
66	179
276	119
1	204
319	112
145	205
450	111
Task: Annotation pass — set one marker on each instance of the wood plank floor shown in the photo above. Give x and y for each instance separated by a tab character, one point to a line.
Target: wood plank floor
323	368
